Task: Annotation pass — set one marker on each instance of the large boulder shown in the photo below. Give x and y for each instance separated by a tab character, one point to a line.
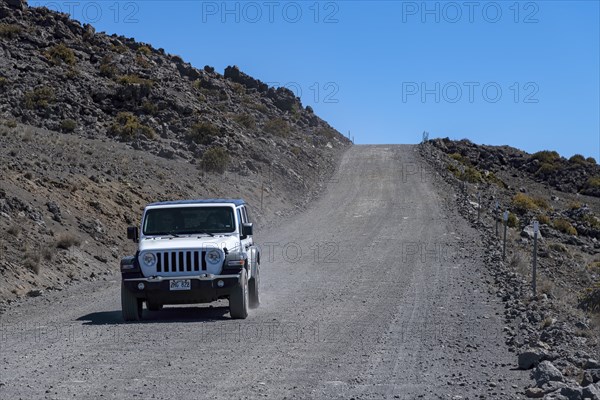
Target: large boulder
531	357
546	372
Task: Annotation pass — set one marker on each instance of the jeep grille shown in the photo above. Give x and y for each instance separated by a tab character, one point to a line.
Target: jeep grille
180	261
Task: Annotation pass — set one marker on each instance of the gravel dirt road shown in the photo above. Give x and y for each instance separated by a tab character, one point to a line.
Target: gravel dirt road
377	291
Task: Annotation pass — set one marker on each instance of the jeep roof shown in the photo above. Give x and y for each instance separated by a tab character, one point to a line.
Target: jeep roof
237	202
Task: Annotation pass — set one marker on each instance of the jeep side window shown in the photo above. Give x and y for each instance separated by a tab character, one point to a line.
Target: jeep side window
239	215
245	214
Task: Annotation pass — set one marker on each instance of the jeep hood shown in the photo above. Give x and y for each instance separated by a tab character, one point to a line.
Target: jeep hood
189	242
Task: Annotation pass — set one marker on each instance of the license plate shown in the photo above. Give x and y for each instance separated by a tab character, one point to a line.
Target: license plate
180	284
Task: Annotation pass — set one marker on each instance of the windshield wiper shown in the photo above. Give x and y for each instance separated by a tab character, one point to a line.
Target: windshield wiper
206	233
172	233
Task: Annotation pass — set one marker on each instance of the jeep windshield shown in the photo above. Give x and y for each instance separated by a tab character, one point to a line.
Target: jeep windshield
177	221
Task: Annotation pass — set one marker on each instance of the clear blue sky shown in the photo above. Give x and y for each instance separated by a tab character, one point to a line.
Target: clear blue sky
389	70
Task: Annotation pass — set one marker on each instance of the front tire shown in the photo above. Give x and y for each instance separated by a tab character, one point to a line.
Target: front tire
238	300
131	306
254	288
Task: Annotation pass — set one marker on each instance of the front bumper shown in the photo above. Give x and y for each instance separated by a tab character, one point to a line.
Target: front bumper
204	288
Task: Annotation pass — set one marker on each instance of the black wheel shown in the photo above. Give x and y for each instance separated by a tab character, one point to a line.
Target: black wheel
238	299
254	289
154	306
131	306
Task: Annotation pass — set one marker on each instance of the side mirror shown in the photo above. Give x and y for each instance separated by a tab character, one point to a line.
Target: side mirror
247	230
133	233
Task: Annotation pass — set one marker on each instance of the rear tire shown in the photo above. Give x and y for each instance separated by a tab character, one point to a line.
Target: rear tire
154	306
131	306
254	289
238	300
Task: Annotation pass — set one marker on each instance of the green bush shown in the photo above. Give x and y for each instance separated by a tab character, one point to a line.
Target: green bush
246	120
40	97
145	50
107	67
591	160
472	175
61	53
513	220
458	157
10	123
277	127
215	159
546	156
9	31
260	107
3	82
546	169
128	127
593	182
544	219
564	226
68	125
149	107
203	133
492	178
590	299
577	159
135	80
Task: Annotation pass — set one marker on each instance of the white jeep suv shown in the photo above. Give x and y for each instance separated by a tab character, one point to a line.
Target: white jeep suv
191	251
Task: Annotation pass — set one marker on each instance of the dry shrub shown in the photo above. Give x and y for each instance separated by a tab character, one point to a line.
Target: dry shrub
67	240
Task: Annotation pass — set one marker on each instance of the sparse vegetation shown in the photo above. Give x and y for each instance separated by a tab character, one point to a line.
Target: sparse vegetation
3	82
591	160
564	226
107	67
60	53
472	175
68	125
546	169
32	261
593	182
590	299
594	267
135	80
458	157
67	240
128	127
513	220
215	159
259	107
546	156
10	123
149	107
145	50
40	97
577	159
544	219
523	203
203	133
277	127
246	120
9	31
559	247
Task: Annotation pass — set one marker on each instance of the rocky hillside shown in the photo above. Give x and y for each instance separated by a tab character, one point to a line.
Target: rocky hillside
92	127
555	333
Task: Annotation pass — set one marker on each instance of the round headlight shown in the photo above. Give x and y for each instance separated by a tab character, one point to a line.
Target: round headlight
149	259
213	257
